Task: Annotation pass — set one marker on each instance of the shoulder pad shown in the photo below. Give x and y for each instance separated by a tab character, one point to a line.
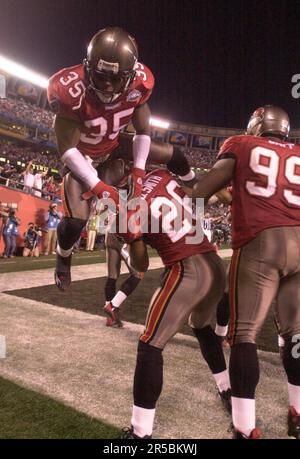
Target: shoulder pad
65	89
144	76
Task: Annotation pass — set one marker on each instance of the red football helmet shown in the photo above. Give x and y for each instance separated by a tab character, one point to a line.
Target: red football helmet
269	120
110	64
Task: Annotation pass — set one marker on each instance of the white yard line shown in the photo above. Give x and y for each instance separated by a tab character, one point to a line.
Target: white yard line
40	277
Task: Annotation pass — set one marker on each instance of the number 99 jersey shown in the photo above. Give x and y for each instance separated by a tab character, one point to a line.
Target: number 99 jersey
266	185
69	96
171	214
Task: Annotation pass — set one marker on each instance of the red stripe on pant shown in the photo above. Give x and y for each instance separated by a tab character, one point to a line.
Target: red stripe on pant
159	303
233	274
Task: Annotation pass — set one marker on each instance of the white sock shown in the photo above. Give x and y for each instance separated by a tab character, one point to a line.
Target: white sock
118	299
222	380
221	330
243	414
142	421
62	252
294	396
280	341
189	176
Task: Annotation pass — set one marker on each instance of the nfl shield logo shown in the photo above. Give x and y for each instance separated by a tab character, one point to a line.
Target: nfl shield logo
134	95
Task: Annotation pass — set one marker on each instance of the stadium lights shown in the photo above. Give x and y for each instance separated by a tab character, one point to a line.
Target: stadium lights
159	123
22	72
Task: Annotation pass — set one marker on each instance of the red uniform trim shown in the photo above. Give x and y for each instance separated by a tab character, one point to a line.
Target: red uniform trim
233	294
161	301
67	211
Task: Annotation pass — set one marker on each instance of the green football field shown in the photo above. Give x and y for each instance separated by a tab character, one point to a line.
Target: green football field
28	414
17	264
43	416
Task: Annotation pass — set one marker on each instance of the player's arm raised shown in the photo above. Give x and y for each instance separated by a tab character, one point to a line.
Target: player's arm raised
216	179
140	146
139	255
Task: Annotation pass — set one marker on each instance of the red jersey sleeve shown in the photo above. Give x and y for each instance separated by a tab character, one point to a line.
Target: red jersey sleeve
145	82
234	147
60	99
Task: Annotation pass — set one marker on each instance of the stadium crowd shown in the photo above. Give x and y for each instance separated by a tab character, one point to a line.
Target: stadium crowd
26	113
200	158
13	153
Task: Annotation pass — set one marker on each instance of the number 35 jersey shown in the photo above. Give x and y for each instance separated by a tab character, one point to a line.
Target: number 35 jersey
69	96
171	214
266	185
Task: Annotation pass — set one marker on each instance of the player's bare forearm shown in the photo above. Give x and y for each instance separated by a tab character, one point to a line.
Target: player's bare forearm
139	255
216	179
67	133
224	196
141	120
160	152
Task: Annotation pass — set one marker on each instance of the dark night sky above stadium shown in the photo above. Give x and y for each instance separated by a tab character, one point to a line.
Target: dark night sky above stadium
214	61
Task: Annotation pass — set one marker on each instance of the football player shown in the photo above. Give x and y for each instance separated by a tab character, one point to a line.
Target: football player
116	251
191	287
264	170
93	101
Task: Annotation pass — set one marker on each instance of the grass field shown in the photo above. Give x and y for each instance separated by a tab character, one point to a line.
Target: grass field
17	264
87	296
57	334
43	417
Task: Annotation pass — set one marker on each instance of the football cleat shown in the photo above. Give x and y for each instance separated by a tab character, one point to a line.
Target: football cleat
112	323
225	397
109	322
113	314
127	434
62	273
254	435
293	423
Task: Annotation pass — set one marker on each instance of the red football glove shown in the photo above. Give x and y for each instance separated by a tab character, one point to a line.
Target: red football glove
136	183
103	191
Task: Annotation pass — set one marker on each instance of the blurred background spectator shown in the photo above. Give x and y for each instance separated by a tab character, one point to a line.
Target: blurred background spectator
28	177
10	233
6	173
38	182
92	226
52	219
32	239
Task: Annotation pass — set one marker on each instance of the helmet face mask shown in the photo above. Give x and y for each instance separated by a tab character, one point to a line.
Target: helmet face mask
269	121
110	65
109	86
